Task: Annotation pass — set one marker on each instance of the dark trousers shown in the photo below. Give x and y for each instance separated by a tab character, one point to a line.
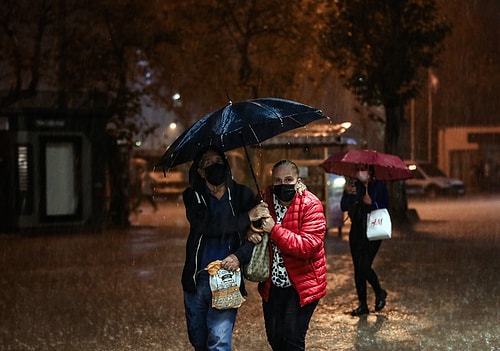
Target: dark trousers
363	253
286	322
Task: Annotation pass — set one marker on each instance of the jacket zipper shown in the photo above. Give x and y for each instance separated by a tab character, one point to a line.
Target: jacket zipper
196	260
199	198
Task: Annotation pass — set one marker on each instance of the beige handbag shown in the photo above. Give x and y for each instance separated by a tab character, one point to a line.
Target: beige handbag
257	270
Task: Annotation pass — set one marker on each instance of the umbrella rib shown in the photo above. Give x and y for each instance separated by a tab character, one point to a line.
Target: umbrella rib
300	124
296	121
254	134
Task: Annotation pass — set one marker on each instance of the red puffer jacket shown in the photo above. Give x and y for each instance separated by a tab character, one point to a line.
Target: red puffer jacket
300	238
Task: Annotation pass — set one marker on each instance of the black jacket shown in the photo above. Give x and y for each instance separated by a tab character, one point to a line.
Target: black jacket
203	224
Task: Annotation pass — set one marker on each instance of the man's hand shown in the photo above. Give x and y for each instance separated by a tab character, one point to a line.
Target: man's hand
231	263
254	237
259	212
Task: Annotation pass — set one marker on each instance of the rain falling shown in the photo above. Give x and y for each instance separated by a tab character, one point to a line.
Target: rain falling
92	94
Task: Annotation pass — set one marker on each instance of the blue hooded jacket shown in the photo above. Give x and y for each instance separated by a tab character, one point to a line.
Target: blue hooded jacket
205	225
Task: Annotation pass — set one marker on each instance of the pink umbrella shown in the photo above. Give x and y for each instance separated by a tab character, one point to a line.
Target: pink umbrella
386	166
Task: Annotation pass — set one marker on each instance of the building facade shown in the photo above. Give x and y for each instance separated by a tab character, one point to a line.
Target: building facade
471	154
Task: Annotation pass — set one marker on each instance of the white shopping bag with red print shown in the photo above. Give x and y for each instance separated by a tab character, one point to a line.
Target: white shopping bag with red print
378	225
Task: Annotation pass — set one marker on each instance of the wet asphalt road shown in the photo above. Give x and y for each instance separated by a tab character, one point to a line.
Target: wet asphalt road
120	290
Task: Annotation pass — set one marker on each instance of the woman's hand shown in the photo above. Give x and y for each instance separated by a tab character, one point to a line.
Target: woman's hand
300	187
268	224
366	197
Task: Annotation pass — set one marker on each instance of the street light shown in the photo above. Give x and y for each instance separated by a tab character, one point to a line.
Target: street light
177	99
432	88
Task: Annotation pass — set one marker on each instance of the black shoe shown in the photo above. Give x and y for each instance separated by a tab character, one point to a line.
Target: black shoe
380	300
361	310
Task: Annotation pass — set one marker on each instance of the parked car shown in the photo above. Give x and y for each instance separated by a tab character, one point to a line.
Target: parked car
431	181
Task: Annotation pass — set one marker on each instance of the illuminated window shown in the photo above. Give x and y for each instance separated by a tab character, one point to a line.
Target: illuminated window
61	182
24	202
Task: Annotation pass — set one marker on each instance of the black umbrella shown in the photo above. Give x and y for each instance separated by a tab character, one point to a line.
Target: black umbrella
239	125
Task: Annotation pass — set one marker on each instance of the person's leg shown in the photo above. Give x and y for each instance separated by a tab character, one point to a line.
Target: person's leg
286	321
297	322
220	328
196	307
371	276
208	328
273	317
359	260
380	294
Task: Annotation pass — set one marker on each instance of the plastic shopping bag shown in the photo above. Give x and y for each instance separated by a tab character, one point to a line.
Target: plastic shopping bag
225	286
378	225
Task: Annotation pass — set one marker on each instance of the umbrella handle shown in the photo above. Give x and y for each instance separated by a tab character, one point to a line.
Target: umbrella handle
256	230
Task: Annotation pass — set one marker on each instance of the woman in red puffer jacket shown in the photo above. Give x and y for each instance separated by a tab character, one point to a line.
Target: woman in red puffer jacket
297	229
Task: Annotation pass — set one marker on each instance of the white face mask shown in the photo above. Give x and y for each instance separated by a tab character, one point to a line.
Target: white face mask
363	176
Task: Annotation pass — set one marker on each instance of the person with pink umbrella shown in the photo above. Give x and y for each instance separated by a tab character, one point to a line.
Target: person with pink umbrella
361	196
365	191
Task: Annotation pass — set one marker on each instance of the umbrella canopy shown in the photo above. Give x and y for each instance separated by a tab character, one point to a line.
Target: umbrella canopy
238	125
386	166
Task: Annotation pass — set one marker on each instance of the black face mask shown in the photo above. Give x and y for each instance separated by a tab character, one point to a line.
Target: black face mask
215	174
284	192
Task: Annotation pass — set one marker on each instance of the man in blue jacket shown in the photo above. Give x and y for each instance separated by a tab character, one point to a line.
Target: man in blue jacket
219	212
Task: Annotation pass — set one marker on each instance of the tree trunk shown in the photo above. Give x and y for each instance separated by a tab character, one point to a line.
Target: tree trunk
118	161
397	190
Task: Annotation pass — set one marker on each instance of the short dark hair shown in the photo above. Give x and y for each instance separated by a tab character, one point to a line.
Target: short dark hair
199	156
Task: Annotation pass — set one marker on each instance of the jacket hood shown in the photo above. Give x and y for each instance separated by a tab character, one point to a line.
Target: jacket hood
195	180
